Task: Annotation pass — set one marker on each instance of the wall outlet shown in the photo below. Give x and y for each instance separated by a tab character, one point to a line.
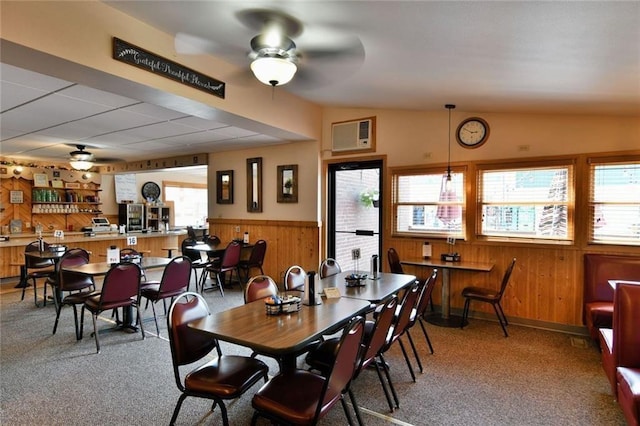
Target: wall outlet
451	240
355	254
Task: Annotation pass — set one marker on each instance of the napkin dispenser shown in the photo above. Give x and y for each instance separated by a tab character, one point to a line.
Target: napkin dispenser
309	297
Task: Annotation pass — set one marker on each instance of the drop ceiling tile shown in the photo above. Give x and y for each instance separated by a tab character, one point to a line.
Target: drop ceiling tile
30	79
161	130
154	111
88	94
199	123
15	94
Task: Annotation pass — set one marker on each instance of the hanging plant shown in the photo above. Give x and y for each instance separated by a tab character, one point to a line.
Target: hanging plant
370	198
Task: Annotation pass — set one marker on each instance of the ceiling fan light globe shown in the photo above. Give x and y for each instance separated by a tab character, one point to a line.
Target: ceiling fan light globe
80	164
269	70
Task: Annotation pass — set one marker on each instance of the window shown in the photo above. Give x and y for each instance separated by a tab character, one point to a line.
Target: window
190	202
425	204
527	203
614	202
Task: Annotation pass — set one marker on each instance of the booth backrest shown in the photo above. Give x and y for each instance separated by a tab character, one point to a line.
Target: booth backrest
600	268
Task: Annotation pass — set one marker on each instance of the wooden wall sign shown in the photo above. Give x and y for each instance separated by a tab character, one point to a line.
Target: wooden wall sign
138	57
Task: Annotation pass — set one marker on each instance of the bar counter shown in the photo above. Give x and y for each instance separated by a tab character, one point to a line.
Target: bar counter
151	243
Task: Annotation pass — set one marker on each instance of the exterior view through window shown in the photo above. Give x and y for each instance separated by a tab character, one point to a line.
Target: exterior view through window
190	204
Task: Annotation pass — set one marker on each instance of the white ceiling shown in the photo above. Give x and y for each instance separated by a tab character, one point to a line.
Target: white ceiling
519	56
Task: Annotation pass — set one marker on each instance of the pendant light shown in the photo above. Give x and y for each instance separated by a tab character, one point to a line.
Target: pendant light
448	183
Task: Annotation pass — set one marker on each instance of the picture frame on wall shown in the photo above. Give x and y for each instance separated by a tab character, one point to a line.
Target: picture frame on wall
40	179
288	183
224	186
16	197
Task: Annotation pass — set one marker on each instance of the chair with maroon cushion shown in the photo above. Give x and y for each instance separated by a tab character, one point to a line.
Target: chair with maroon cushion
35	269
619	344
260	287
174	282
120	289
598	295
302	397
229	263
328	268
223	378
375	334
489	295
129	254
418	312
255	260
395	266
78	286
294	278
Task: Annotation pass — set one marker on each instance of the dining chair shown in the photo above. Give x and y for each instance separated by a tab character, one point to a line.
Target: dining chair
78	286
375	334
294	278
395	267
329	267
229	263
197	262
120	289
260	287
255	260
174	281
301	397
222	378
35	269
489	295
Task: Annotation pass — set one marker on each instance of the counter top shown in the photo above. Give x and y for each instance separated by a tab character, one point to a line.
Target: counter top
16	240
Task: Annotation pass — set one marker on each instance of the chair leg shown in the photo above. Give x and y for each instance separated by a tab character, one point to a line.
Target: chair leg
177	409
75	322
387	374
384	387
426	335
465	312
55	324
142	328
504	317
94	317
356	408
155	318
219	279
415	352
504	329
345	407
406	358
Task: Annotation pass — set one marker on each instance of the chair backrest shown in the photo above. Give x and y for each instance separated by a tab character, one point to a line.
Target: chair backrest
190	253
213	241
378	337
403	317
188	345
600	268
120	285
425	295
506	277
33	262
344	365
395	266
70	281
260	287
294	278
626	317
231	255
176	275
329	267
191	233
258	252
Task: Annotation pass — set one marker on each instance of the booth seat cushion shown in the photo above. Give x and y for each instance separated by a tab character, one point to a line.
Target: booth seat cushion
608	360
629	393
598	315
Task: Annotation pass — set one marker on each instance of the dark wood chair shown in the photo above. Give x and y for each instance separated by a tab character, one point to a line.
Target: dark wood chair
260	287
302	397
328	268
425	300
120	289
294	278
78	286
489	295
174	281
395	267
197	262
255	260
223	378
35	269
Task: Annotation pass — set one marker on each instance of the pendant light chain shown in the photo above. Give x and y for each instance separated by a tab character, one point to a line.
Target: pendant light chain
449	107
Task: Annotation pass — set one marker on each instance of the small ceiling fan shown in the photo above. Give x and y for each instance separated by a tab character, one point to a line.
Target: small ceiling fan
84	160
320	55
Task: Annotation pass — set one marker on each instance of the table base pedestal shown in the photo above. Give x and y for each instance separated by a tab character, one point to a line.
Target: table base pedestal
435	318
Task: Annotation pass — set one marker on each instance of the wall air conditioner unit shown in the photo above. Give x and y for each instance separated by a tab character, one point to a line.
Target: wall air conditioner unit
353	136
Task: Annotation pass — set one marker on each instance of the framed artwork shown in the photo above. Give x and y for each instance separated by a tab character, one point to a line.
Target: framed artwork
288	183
254	185
57	184
224	186
16	197
40	179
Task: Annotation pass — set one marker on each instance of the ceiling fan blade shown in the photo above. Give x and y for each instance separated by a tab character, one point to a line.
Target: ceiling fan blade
259	19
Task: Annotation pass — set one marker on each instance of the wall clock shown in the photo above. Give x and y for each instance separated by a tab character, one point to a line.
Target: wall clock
472	132
150	190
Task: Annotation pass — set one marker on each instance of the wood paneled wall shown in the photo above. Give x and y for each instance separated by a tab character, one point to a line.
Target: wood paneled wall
288	242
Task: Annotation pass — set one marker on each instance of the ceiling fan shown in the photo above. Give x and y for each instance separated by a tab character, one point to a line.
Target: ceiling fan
318	57
84	160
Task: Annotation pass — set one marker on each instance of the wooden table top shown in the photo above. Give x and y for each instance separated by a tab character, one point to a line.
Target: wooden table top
279	335
374	291
462	265
217	247
101	268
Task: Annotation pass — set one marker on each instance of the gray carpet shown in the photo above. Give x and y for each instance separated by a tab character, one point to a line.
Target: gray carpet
476	377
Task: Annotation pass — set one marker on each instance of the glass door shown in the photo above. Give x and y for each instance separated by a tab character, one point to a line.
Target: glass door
355	214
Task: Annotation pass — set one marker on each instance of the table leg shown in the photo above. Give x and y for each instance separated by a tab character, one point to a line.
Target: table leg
445	319
446	303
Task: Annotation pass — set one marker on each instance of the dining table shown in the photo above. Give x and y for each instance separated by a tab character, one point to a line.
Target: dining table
96	269
373	290
282	336
445	318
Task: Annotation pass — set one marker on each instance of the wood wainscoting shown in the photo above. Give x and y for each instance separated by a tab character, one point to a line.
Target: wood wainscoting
288	242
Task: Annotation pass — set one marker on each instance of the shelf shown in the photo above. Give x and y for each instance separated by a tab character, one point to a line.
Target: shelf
66	214
66	202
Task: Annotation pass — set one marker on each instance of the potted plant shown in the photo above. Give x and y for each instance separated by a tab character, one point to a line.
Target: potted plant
370	198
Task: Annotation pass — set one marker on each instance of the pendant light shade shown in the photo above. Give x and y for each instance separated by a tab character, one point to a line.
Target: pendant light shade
448	175
81	159
273	71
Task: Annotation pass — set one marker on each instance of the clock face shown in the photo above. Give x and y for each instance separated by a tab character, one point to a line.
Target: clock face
472	132
151	190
